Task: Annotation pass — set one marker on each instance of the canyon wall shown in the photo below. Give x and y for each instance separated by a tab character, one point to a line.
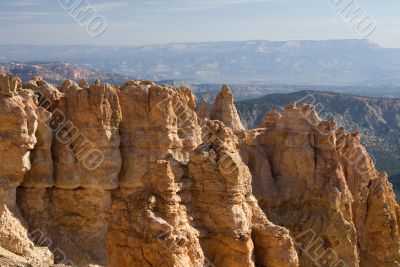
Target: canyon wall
318	181
137	175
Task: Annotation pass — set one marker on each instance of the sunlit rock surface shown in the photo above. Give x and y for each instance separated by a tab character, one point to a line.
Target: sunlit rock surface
137	175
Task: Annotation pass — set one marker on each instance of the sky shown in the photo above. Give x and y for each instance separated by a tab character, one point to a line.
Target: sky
137	22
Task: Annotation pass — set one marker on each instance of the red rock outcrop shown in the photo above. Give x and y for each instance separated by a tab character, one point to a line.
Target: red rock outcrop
376	212
18	128
233	229
224	110
322	185
83	135
135	175
149	225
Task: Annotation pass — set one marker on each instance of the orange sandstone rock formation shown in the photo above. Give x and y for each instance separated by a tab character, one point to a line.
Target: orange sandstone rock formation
18	128
136	175
233	229
149	225
224	110
320	183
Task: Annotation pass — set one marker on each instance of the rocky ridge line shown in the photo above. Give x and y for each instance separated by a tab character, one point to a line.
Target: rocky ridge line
135	175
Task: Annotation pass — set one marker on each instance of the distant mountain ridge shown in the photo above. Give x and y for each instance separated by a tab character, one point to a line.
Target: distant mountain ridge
331	62
377	118
251	91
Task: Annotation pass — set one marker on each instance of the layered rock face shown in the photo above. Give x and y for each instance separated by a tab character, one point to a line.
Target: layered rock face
19	118
319	182
233	229
136	175
149	226
84	143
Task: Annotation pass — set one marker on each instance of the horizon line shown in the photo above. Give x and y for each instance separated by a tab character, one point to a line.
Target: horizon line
200	42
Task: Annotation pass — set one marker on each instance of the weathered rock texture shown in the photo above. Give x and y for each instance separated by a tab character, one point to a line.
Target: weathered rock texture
234	230
19	117
84	140
319	182
225	110
135	175
149	225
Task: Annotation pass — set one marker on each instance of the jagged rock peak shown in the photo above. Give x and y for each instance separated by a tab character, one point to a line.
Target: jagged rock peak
271	119
164	196
307	107
137	83
226	91
223	202
83	84
319	181
224	110
96	85
48	94
292	106
67	84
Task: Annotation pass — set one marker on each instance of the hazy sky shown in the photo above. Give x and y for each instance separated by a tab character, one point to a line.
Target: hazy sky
160	21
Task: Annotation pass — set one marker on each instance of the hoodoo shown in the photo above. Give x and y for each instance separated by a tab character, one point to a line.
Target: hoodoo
137	175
